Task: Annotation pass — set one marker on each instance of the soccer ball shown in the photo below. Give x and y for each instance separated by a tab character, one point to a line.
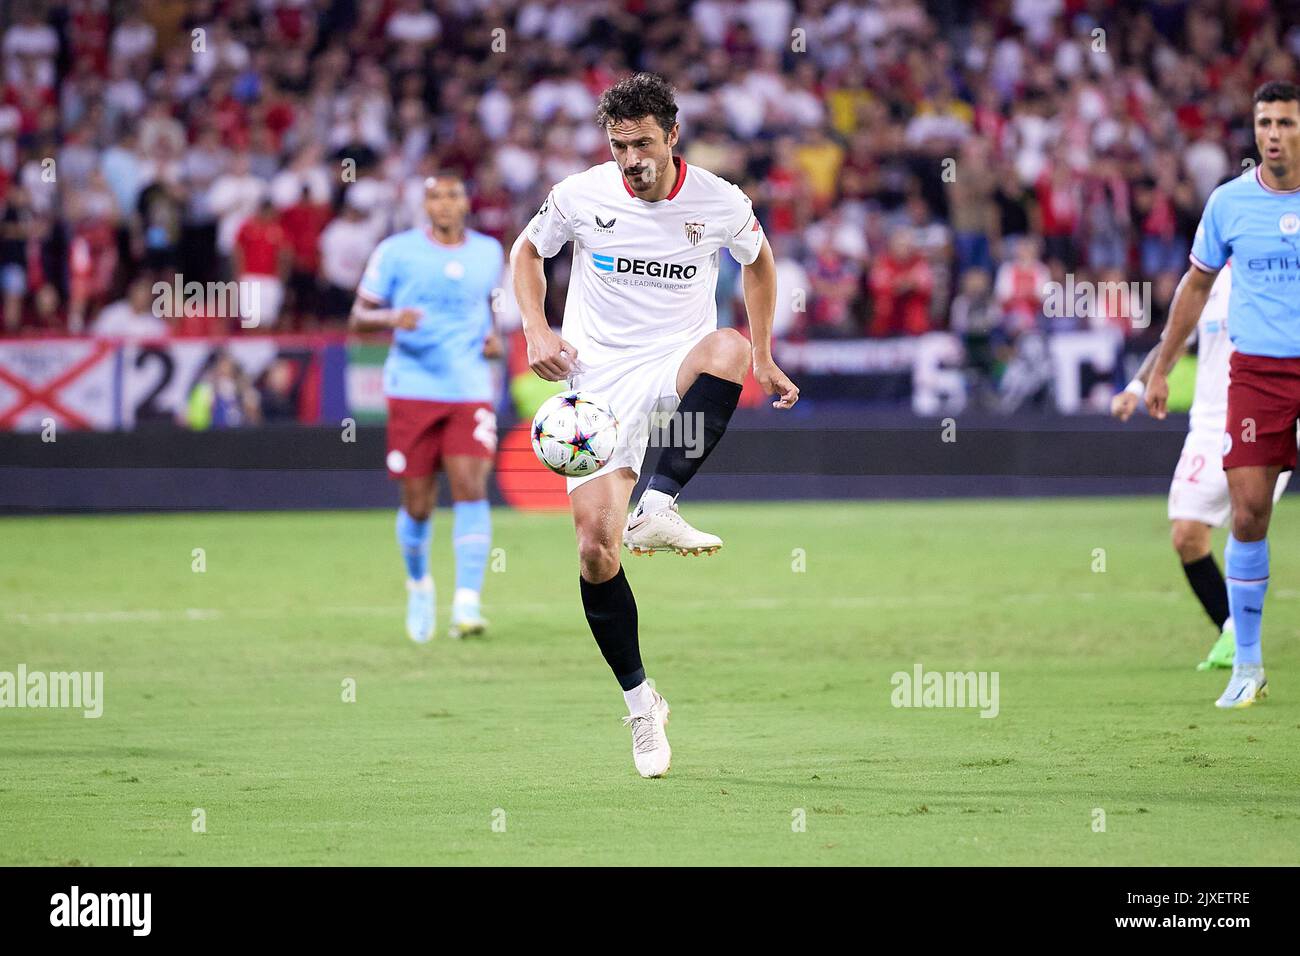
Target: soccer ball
574	433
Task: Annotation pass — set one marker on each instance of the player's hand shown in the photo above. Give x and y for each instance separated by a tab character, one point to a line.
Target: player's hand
775	382
1157	396
1123	405
407	319
492	346
549	356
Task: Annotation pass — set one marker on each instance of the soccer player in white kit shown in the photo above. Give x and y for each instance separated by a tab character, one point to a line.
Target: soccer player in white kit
640	331
1198	494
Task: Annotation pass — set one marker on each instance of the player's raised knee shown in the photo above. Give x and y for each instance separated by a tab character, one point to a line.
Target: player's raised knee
728	354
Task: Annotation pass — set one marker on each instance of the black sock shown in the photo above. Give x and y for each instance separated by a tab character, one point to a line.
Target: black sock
611	615
1207	581
713	399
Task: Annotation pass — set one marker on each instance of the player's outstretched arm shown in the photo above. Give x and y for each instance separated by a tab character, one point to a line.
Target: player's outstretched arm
369	315
758	280
1125	403
1189	301
549	356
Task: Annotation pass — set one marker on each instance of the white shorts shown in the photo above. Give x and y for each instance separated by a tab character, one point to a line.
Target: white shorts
636	388
260	298
1199	491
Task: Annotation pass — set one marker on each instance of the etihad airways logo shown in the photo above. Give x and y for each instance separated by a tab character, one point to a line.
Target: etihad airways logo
1273	263
617	265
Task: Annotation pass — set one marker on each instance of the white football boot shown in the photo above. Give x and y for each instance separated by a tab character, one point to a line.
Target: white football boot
666	530
650	750
420	609
466	618
1247	685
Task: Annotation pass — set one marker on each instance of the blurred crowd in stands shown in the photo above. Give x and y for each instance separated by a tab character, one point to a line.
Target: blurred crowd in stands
917	166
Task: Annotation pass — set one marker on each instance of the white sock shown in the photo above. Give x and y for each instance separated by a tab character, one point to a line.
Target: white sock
465	596
1227	625
652	501
424	584
640	698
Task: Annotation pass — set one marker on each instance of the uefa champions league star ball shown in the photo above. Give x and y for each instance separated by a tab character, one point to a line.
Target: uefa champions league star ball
574	433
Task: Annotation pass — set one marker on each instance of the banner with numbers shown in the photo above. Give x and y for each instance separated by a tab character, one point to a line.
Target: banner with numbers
111	384
122	384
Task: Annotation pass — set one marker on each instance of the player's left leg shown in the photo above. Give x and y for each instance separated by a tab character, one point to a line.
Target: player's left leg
471	539
709	381
1246	559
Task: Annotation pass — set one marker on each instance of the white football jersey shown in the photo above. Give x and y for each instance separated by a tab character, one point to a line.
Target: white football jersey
1209	409
644	273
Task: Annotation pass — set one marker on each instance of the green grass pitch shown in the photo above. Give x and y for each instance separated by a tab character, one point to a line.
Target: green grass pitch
224	693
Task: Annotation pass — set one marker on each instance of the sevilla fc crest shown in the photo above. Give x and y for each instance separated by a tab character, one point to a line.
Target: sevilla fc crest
694	232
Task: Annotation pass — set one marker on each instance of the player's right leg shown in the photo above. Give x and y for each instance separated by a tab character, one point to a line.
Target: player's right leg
413	459
414	528
1259	444
599	507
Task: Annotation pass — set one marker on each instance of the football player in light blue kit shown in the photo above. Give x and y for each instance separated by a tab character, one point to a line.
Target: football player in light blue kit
433	287
1255	219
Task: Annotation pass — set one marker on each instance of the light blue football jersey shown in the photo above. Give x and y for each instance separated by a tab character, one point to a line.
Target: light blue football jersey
442	359
1260	229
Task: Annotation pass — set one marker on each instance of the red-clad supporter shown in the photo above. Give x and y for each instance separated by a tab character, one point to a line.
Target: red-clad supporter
491	206
92	263
1021	287
1060	210
783	190
902	284
834	280
262	254
303	223
29	98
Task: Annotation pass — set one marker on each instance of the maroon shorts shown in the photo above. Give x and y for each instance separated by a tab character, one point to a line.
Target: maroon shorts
420	433
1263	405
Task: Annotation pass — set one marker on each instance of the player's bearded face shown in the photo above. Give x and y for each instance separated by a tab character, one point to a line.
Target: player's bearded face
642	151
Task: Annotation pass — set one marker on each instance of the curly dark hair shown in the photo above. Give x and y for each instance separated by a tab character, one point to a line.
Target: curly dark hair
641	94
